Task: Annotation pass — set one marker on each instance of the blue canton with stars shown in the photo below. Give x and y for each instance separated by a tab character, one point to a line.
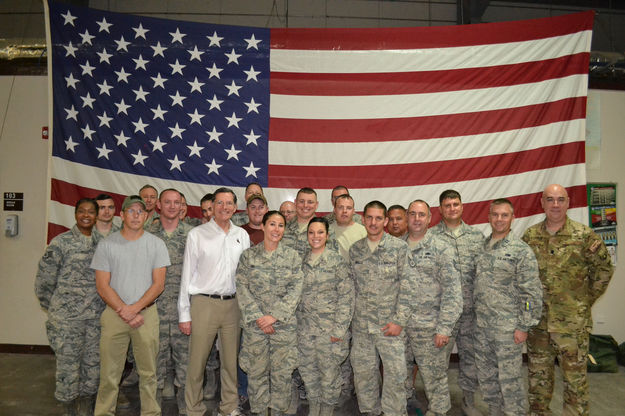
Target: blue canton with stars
160	98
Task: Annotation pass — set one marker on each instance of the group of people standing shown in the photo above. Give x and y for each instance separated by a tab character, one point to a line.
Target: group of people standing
330	298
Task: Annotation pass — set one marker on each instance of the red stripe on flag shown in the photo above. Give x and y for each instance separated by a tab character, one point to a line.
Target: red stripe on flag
414	128
68	193
427	173
54	230
430	37
292	83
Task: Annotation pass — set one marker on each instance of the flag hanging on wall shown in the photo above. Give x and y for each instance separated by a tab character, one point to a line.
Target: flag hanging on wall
491	110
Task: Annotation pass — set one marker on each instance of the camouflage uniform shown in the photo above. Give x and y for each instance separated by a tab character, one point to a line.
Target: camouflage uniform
193	222
466	242
295	239
115	227
575	269
325	311
269	284
240	218
151	220
437	307
508	297
65	287
173	344
298	241
332	218
385	285
344	241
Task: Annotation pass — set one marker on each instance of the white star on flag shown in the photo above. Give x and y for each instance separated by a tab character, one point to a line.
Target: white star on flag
157	145
215	39
139	158
195	149
140	31
103	151
250	170
121	139
87	132
70	144
104	25
175	163
177	36
213	167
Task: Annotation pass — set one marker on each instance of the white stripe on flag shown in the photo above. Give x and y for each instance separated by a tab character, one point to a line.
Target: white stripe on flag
434	59
429	104
420	151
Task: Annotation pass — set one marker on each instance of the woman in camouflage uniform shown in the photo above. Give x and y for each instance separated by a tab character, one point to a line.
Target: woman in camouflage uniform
269	285
65	287
323	318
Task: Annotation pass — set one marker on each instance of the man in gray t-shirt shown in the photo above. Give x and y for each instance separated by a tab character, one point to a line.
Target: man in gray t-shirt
130	270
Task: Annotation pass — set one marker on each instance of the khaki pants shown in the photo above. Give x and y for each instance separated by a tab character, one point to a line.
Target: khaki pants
211	317
116	334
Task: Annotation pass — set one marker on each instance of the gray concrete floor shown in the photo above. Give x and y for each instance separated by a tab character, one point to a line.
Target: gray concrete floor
27	388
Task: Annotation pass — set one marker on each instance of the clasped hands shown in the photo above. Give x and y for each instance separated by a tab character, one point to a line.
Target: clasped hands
130	316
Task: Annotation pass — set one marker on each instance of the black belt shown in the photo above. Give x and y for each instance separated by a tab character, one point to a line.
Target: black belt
222	297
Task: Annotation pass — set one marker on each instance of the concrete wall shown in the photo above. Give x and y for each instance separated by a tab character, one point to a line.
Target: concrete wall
23	168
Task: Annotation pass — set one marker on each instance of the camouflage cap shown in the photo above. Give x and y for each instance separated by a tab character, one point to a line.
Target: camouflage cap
131	200
256	196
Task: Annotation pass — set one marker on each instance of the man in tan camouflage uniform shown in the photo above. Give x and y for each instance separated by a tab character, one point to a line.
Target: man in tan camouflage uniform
337	191
287	208
173	345
508	301
397	221
295	232
107	222
438	306
465	242
149	194
575	269
384	294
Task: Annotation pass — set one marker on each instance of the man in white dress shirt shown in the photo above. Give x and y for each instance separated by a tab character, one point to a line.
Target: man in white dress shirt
207	299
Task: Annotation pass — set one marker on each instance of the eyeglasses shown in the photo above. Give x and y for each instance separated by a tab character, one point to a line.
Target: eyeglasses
133	211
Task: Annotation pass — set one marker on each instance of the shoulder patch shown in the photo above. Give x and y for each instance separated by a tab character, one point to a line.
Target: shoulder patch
595	246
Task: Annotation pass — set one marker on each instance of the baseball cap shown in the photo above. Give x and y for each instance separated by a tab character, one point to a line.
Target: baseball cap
132	199
256	196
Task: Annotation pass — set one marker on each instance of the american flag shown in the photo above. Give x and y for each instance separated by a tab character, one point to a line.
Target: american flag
491	110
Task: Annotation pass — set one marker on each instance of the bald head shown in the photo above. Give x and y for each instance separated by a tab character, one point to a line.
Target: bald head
554	187
287	208
555	203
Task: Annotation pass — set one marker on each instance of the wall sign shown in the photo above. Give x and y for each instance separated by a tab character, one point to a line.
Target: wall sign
602	212
14	201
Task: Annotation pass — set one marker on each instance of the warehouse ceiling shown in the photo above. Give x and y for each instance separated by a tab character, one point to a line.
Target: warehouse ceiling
22	28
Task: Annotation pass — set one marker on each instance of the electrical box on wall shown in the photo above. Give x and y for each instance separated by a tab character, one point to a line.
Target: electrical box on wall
11	227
